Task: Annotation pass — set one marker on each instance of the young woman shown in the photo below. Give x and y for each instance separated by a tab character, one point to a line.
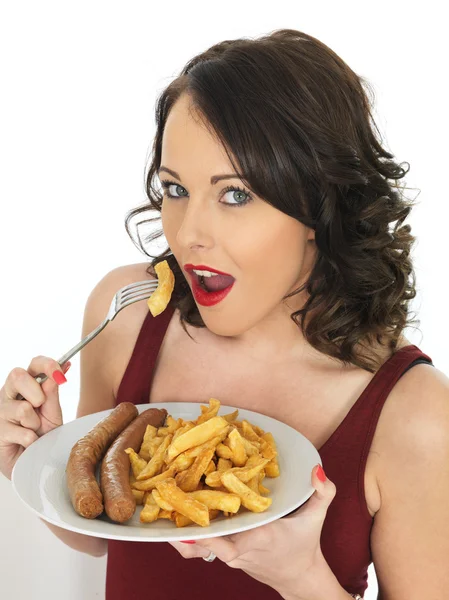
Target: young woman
273	177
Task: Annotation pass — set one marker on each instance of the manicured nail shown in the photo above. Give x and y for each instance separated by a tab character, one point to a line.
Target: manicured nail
59	377
188	542
66	366
320	473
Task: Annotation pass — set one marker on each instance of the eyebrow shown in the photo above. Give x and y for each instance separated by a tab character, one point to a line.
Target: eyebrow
214	179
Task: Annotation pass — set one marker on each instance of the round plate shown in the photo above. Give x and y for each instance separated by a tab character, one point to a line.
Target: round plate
39	479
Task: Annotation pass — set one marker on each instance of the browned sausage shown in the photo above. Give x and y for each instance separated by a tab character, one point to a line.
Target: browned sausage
84	491
119	502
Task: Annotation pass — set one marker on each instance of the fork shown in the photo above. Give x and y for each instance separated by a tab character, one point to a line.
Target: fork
141	290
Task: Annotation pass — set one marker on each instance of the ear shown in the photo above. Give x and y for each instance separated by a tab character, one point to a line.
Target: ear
310	235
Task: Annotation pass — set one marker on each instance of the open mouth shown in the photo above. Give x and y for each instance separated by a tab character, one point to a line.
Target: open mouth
214	283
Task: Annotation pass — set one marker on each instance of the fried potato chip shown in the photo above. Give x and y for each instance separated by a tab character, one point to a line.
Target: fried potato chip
150	512
214	499
189	479
250	499
161	502
224	464
150	433
137	464
159	299
138	495
272	468
155	464
183	503
211	411
150	484
235	443
196	436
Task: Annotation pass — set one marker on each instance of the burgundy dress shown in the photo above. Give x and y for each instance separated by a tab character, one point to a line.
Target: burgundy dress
137	570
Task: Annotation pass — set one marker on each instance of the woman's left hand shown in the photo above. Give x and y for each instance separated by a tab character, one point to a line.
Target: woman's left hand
285	554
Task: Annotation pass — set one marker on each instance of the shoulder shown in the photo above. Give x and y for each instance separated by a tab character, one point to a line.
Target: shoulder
413	427
125	274
120	335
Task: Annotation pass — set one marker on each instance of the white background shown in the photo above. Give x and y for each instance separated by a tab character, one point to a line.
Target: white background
78	86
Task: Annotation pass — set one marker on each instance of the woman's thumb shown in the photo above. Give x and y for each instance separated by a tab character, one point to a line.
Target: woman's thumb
325	491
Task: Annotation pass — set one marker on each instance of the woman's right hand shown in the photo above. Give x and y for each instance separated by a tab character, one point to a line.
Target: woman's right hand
22	422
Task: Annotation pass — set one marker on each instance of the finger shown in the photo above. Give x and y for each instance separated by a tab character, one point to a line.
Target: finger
20	412
222	547
19	381
190	550
14	434
324	493
49	366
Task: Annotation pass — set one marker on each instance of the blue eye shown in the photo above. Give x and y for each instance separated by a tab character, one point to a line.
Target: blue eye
166	184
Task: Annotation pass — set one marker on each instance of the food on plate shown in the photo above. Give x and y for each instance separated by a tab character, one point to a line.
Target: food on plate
159	299
119	500
84	491
188	472
201	469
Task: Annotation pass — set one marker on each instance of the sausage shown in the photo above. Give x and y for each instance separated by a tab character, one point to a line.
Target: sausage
84	490
119	501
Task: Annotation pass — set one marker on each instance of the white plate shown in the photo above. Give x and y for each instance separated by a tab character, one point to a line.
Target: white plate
39	479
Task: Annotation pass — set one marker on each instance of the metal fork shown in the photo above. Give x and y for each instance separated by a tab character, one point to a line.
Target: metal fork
127	295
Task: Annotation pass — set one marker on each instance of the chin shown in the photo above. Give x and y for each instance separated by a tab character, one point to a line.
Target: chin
224	326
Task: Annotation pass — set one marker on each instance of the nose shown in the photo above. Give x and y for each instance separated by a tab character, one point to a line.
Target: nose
196	225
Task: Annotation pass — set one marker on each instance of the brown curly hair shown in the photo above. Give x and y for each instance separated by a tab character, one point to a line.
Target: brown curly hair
297	121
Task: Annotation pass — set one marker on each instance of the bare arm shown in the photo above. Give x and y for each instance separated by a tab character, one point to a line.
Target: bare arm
82	543
410	536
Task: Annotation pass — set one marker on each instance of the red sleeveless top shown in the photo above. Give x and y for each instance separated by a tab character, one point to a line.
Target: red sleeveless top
156	570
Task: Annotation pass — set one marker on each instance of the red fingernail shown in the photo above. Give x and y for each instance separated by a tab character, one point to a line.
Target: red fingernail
320	473
188	542
67	366
59	377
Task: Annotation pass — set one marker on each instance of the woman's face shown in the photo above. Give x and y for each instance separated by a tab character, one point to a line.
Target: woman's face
267	252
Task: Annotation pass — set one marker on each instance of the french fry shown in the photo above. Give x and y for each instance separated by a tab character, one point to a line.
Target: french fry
248	432
263	491
196	436
138	464
211	411
213	443
155	464
224	452
149	484
224	464
170	426
250	500
138	495
210	468
188	480
253	484
231	416
235	443
167	514
184	504
272	468
159	299
150	512
161	502
218	500
251	448
183	429
150	433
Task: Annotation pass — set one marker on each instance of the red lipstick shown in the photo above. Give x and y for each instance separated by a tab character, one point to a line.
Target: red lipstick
203	296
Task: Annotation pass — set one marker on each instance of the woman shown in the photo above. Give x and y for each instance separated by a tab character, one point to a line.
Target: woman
272	176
